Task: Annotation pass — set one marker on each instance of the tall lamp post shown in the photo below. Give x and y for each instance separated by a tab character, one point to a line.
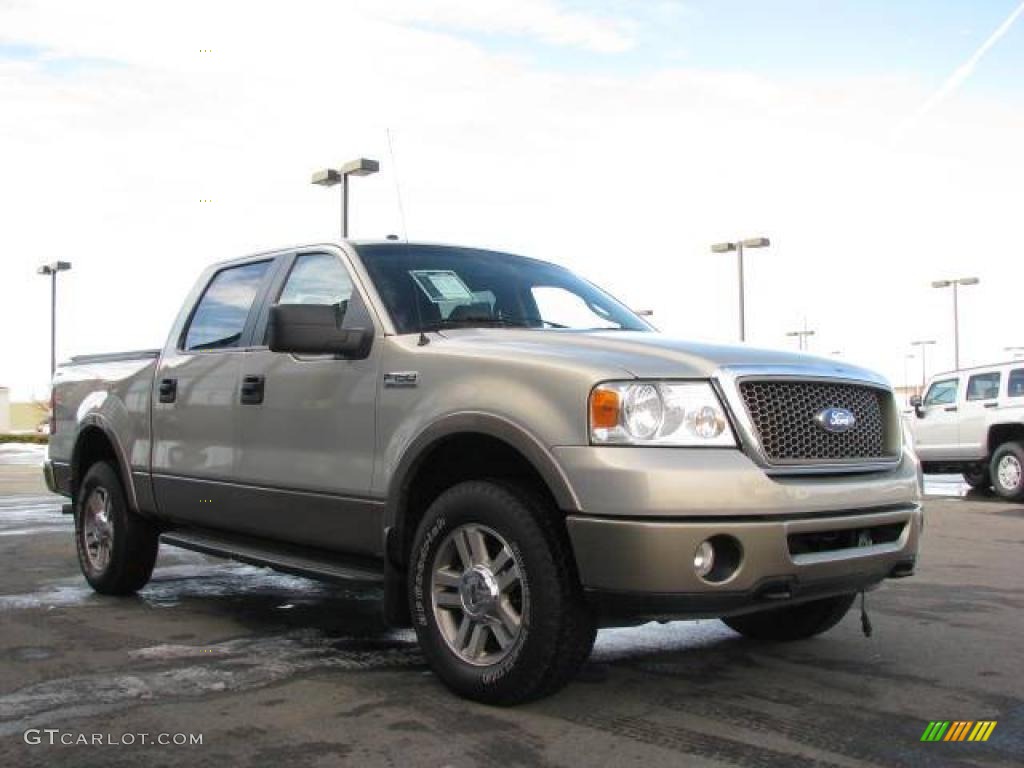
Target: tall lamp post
52	269
328	177
956	310
738	246
803	336
924	344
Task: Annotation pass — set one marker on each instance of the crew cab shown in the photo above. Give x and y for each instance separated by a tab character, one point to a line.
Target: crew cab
971	422
509	454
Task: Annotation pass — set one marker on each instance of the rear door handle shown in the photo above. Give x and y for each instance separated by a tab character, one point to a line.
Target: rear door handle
991	405
252	390
951	408
168	390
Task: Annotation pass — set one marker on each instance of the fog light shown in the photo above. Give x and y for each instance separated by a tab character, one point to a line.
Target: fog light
704	559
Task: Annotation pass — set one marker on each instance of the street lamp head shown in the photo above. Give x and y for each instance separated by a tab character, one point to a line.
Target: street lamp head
328	177
360	167
55	266
941	283
723	247
968	281
757	242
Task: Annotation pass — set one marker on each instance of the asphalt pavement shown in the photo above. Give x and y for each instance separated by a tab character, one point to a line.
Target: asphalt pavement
280	671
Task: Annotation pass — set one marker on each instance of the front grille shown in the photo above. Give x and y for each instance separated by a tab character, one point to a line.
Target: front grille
783	414
850	538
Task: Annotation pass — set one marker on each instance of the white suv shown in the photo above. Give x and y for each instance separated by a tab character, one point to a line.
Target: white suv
972	422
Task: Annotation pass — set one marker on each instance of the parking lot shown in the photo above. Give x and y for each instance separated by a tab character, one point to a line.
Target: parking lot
278	670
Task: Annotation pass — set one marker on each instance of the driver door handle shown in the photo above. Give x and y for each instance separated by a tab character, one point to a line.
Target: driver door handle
252	390
991	405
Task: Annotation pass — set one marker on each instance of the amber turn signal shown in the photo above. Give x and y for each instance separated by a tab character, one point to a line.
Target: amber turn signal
604	409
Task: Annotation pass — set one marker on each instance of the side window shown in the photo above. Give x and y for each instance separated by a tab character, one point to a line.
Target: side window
219	319
983	386
318	278
557	306
942	392
1016	385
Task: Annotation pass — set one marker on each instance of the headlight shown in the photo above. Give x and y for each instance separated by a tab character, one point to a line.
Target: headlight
658	413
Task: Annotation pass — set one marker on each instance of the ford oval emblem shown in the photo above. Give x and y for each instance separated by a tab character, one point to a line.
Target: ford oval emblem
836	420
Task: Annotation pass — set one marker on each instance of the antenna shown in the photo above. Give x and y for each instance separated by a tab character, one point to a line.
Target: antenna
423	341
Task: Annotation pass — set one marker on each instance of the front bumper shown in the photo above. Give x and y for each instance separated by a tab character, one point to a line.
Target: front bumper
643	513
644	568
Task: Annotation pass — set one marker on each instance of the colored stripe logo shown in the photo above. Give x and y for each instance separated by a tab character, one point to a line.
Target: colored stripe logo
958	730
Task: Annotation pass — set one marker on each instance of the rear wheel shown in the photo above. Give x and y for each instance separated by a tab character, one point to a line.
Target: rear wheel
794	622
116	547
1007	470
978	477
495	599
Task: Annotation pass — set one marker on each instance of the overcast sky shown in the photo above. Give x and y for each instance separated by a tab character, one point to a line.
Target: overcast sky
877	142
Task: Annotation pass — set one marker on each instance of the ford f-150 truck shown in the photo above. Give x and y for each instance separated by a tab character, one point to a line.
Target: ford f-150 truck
511	455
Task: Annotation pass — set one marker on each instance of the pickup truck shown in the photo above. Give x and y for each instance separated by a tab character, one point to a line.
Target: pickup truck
971	422
506	453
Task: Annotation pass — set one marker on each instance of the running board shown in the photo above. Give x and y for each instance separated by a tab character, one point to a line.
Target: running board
288	558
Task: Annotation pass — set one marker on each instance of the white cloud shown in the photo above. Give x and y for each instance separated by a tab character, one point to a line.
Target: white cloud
626	178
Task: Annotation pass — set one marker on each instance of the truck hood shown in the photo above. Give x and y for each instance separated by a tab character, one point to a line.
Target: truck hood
644	354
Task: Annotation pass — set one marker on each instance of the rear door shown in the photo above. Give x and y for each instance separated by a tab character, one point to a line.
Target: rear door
306	446
980	399
936	431
195	390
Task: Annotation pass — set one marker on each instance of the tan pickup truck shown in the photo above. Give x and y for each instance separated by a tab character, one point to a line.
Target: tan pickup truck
508	453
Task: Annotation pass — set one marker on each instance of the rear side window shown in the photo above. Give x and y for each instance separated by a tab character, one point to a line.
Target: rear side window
942	392
983	386
220	317
1016	385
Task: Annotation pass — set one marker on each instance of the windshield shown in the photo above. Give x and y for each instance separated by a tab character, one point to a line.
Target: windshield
462	288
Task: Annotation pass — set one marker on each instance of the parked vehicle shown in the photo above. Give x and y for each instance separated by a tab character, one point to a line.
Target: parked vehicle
509	452
972	422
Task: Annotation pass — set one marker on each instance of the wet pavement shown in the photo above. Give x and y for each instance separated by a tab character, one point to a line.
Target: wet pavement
279	670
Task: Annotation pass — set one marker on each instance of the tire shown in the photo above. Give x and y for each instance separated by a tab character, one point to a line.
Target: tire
116	547
795	622
516	533
978	477
1007	470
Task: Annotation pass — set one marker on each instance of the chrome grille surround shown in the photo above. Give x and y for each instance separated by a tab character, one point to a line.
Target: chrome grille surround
789	446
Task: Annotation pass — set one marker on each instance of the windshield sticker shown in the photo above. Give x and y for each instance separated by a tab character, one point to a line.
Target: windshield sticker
442	285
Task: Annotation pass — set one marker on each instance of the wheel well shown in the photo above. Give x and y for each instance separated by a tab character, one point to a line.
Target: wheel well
451	460
92	446
1004	433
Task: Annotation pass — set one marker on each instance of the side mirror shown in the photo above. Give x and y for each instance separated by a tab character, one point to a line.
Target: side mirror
313	329
916	403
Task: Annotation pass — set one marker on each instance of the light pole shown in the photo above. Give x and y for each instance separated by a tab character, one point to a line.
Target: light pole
52	269
738	246
956	310
802	336
328	177
924	348
906	373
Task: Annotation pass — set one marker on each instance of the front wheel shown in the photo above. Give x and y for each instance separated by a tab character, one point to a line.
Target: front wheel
116	547
794	622
1008	471
495	599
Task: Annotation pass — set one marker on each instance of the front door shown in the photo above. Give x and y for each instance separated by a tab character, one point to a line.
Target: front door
305	450
937	431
